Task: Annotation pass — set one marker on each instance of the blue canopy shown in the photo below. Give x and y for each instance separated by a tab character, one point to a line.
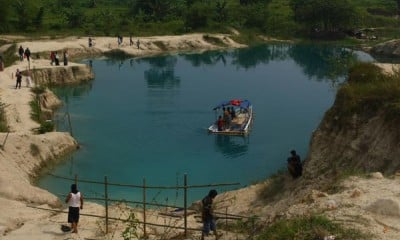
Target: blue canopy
234	102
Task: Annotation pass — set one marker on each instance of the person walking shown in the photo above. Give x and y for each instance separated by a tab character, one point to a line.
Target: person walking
21	53
28	54
75	204
18	76
207	215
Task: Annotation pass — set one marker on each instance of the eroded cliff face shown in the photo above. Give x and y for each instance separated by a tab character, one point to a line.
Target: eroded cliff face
366	142
63	75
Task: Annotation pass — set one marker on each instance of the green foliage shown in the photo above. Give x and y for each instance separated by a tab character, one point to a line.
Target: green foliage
36	110
280	18
3	120
130	231
9	56
324	15
197	16
368	91
38	90
306	228
37	114
46	126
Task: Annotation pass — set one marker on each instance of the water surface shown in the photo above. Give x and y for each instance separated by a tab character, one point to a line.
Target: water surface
147	117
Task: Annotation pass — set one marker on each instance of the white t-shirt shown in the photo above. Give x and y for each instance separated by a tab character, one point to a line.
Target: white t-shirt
75	200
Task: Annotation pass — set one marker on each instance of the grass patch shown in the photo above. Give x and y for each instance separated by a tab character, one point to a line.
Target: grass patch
275	186
35	110
34	149
9	56
367	91
37	114
309	228
160	45
3	120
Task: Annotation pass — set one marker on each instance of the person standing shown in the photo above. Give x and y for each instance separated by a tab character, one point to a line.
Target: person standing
56	58
18	76
207	215
75	203
52	58
295	167
65	57
21	53
27	54
138	44
29	78
130	40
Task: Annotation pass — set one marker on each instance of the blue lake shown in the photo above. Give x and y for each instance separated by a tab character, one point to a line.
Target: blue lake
147	118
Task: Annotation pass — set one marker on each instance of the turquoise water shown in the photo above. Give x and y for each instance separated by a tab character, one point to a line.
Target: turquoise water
147	118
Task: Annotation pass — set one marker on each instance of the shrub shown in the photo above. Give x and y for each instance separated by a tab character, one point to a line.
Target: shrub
46	126
306	228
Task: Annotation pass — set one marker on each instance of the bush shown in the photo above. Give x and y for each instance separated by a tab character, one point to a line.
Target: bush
45	127
306	228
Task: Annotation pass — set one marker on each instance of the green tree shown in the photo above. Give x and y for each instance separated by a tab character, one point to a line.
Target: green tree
324	15
398	7
74	16
5	11
155	10
26	12
221	11
197	16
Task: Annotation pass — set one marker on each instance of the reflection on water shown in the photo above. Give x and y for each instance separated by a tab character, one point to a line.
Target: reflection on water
231	146
161	73
320	62
148	117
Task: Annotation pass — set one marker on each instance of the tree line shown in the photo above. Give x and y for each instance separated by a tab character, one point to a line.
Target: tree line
271	17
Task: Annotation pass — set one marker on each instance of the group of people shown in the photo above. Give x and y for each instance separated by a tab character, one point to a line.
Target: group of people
75	201
224	122
55	58
24	53
18	76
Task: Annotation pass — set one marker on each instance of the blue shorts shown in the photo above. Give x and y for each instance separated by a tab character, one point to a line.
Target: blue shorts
209	224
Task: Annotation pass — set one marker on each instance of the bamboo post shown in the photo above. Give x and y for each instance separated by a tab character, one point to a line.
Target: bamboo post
226	220
5	140
76	179
106	201
144	208
70	126
185	203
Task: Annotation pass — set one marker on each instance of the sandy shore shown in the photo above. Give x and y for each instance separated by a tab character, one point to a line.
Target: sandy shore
24	154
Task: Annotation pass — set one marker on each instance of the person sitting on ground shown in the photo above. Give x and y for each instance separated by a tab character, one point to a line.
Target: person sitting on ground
295	167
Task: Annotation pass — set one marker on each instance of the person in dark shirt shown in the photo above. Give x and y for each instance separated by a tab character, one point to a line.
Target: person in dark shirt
295	167
220	123
207	214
